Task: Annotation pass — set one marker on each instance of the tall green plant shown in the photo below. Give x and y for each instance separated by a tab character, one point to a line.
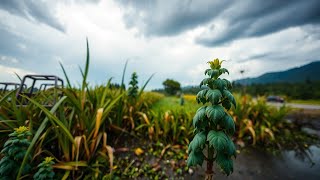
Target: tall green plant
213	125
133	88
14	151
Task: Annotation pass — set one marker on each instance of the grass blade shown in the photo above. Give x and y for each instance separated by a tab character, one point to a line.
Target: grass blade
6	96
65	75
145	84
54	118
123	74
37	135
18	76
86	70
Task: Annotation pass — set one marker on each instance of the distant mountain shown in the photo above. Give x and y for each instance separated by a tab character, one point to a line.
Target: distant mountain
309	71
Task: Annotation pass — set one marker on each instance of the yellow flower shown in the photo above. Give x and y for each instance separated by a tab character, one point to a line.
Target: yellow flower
138	151
21	129
215	64
48	159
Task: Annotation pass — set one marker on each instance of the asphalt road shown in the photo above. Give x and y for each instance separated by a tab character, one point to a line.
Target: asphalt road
299	106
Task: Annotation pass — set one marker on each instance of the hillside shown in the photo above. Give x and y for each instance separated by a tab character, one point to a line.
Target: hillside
309	71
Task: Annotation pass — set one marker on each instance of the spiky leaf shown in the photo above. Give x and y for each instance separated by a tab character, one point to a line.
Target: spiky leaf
215	113
231	150
213	73
195	157
220	84
228	83
201	126
206	71
230	97
218	140
226	104
228	124
223	70
199	116
225	163
213	96
198	142
201	96
206	81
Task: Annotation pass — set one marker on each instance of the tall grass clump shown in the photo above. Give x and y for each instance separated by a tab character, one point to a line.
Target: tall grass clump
262	125
74	131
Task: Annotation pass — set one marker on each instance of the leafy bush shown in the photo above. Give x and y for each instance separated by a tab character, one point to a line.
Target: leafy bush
45	170
266	126
14	151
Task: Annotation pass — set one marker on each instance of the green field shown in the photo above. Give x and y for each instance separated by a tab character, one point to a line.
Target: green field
173	103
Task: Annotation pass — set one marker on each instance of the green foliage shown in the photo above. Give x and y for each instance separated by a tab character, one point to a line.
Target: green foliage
133	88
74	130
171	86
213	124
195	158
298	90
217	140
14	151
45	170
264	125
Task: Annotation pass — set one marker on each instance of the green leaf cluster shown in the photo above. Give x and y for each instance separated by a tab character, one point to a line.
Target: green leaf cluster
133	88
45	170
213	125
14	151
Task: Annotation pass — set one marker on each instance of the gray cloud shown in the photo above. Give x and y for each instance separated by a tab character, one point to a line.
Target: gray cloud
241	19
269	17
165	18
39	11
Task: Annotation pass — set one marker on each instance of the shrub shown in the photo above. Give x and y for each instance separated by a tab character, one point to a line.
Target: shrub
14	151
45	170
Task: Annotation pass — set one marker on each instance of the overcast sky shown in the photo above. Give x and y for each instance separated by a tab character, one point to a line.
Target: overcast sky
173	38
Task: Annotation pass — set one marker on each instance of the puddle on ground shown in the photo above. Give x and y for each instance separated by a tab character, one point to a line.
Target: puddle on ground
255	164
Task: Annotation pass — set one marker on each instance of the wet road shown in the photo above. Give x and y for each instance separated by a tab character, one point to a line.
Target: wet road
252	164
299	106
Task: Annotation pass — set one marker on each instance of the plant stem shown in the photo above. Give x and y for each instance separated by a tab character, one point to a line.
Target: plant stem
209	172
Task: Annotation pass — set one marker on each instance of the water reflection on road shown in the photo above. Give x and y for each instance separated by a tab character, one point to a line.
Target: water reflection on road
252	164
298	106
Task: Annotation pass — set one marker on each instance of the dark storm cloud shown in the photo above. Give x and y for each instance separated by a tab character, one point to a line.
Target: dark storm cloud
165	18
241	19
268	17
32	10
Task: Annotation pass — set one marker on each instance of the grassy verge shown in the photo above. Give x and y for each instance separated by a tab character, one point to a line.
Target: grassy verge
309	102
173	103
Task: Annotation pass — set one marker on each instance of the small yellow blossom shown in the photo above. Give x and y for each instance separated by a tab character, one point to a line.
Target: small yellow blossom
215	64
21	129
48	159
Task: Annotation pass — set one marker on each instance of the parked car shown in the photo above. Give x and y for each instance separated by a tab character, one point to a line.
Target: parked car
275	99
